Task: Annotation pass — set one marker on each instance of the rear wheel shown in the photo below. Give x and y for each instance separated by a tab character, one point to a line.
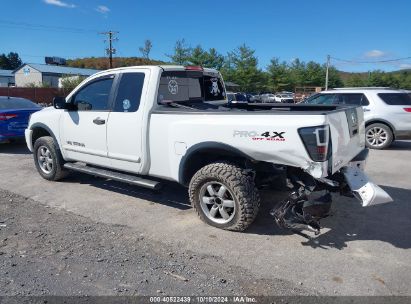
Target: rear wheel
224	196
48	159
378	136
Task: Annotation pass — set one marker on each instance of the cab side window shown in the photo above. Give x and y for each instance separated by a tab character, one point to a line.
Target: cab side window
129	92
94	96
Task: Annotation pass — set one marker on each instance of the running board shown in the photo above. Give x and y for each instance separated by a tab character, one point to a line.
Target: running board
121	177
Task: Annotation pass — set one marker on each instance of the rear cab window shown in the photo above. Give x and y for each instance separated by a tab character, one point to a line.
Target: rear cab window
396	99
190	86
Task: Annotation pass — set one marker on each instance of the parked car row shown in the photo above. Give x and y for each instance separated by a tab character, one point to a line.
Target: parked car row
285	97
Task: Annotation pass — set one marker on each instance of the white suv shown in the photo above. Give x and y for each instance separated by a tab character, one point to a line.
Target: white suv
387	112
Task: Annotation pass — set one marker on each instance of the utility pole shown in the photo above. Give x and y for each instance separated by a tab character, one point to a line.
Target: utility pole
326	72
110	51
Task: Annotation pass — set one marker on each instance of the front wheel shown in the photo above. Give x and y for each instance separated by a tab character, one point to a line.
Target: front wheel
224	196
48	159
378	136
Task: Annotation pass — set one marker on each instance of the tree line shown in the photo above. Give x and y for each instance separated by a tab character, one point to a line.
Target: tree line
241	67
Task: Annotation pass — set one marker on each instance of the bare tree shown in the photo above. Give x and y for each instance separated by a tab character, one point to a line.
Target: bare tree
145	51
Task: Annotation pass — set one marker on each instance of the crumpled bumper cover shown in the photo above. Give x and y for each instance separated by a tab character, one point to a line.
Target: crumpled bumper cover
362	188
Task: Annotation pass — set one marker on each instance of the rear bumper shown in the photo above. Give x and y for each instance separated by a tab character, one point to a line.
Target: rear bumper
363	189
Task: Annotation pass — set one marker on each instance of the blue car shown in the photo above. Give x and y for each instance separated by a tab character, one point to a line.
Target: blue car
14	117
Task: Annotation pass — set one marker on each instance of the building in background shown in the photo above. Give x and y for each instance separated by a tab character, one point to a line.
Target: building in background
6	78
34	74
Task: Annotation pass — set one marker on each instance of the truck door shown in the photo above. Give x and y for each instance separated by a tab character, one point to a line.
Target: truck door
83	130
127	122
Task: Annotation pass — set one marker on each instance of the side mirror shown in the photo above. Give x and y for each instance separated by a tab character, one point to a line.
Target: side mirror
60	103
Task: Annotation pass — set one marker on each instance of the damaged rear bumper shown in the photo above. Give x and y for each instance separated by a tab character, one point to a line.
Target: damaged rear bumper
363	189
302	211
360	185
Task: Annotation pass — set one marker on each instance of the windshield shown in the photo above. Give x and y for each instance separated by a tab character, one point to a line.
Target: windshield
16	103
186	86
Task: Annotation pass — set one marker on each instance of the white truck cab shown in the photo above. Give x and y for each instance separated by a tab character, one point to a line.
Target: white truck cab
143	124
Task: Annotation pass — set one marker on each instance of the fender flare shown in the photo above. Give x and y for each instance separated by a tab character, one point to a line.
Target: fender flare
45	127
205	147
380	120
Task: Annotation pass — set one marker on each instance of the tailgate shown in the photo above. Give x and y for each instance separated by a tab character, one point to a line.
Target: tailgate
347	135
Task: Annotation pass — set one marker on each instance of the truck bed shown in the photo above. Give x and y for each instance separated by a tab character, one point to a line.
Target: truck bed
254	108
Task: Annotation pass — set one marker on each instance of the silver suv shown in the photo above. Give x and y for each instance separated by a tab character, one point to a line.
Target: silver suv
387	112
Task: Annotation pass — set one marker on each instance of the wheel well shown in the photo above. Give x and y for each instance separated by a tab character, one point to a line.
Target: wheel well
384	123
196	160
39	132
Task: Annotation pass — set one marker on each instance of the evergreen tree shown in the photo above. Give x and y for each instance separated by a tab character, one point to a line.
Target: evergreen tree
14	60
278	75
198	56
182	53
242	68
10	62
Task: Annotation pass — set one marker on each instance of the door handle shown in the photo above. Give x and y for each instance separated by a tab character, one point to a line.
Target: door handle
99	121
366	110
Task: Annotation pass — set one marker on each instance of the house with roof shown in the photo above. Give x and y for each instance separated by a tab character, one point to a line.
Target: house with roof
30	74
6	78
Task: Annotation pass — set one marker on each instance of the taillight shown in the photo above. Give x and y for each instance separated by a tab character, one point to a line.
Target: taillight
316	141
407	109
7	116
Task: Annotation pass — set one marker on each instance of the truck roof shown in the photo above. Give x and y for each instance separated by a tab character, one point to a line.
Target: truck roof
153	67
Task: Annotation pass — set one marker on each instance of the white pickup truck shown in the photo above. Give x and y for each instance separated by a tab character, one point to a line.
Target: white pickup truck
143	124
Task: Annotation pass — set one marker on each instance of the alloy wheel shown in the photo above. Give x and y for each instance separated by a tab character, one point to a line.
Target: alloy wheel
217	202
45	159
376	136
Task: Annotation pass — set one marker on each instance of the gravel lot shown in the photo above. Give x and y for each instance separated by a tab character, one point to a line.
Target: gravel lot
47	251
91	236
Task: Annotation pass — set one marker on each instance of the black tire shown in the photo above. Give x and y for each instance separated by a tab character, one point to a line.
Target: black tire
241	188
383	141
56	170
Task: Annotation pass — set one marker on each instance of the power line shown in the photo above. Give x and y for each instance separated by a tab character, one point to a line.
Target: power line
41	27
110	50
375	61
